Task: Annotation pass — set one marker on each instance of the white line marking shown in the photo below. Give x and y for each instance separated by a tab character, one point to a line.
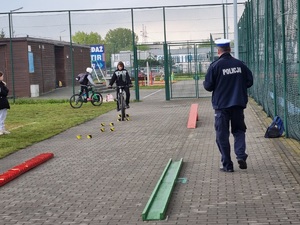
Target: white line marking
152	93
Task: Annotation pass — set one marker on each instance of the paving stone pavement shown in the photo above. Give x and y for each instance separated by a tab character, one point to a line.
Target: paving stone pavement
109	178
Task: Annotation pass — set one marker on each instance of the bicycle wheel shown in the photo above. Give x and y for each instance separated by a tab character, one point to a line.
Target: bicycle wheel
97	99
76	101
122	106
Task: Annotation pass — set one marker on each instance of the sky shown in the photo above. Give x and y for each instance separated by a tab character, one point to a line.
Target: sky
38	5
185	23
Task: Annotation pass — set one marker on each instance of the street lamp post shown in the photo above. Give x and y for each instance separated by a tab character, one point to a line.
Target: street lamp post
60	34
11	21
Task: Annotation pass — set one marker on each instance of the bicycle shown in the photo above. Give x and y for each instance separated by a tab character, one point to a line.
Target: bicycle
77	100
121	102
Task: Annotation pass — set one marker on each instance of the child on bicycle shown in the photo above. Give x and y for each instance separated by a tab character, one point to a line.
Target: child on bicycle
86	79
122	78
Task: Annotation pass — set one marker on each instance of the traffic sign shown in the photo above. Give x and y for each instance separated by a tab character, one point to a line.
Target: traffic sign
98	56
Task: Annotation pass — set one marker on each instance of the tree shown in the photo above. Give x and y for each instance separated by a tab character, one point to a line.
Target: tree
117	40
120	38
88	39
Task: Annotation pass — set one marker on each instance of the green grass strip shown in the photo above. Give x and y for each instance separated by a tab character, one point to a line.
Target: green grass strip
32	120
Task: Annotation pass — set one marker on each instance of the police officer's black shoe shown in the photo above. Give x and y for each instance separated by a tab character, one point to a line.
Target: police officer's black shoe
242	163
226	170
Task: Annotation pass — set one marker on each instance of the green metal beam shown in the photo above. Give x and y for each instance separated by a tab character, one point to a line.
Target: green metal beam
224	20
11	34
197	73
273	57
11	56
257	63
298	35
71	54
284	67
211	49
166	59
248	34
170	69
252	37
135	62
157	204
266	54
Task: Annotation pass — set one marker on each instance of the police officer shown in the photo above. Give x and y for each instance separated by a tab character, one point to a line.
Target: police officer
228	79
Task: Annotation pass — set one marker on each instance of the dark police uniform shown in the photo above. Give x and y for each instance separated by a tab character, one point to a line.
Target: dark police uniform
228	79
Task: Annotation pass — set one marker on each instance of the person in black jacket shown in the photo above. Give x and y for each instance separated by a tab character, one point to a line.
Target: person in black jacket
4	104
122	78
228	79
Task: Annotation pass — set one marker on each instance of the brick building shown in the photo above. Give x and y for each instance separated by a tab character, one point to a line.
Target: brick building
40	64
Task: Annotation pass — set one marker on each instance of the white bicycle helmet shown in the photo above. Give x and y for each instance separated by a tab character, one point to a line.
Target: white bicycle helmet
89	70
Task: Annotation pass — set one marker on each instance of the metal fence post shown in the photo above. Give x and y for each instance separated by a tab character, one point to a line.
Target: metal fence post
248	33
11	56
266	54
257	53
236	31
273	57
71	53
224	22
166	64
135	63
248	47
170	69
211	49
284	67
252	38
196	74
298	36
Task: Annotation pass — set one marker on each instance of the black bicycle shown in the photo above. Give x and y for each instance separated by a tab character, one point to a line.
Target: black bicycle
77	100
121	104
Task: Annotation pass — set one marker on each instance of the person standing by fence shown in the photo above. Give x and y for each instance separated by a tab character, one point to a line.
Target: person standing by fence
4	104
228	79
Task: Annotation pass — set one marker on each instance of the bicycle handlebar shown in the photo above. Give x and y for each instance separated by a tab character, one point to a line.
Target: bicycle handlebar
123	86
90	85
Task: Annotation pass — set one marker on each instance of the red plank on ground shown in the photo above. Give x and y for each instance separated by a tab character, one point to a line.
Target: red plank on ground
193	116
24	167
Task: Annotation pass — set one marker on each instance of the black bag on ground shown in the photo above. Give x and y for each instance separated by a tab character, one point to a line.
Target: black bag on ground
276	128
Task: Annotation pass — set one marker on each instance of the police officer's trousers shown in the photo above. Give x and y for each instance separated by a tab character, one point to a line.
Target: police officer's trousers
233	117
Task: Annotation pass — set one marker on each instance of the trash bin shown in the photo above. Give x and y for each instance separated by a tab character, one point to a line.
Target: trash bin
34	90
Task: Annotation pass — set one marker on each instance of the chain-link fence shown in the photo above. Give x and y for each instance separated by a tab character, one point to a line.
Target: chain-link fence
269	43
151	26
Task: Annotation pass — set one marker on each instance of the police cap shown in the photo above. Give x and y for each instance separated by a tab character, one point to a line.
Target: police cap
222	43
